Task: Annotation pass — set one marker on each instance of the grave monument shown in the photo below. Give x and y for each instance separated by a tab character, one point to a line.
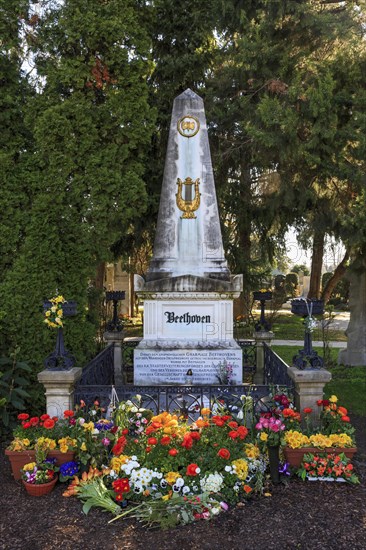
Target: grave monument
188	291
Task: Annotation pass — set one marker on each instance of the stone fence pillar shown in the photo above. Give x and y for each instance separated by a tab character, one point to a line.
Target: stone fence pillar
261	337
59	386
116	338
309	388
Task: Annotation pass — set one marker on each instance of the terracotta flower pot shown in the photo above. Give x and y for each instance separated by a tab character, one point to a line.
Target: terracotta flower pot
38	490
61	458
19	458
295	456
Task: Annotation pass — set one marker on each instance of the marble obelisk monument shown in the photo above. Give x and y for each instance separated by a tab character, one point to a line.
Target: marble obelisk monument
188	291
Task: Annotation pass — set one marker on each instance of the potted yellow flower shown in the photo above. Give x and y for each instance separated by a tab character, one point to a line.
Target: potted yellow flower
334	435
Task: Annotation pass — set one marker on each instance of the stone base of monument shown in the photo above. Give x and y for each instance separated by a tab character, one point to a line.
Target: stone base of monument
170	366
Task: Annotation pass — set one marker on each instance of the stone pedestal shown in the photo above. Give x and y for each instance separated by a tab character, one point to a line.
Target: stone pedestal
59	386
355	353
117	339
261	337
309	388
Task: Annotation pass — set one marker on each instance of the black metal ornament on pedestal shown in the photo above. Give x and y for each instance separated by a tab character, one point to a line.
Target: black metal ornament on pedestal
262	297
115	295
61	359
307	358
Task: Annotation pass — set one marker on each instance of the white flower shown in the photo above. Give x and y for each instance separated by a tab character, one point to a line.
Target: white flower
95	431
240	415
93	413
212	483
180	481
185	490
134	409
228	469
81	421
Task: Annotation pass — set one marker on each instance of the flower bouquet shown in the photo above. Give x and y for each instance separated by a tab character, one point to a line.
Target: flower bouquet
224	373
173	473
54	313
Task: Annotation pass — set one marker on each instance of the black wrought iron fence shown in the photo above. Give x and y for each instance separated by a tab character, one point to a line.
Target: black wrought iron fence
186	401
97	382
100	370
275	369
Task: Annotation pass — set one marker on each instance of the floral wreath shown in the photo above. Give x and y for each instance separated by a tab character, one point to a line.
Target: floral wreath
54	314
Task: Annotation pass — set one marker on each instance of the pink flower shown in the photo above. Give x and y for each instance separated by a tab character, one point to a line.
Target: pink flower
106	441
224	506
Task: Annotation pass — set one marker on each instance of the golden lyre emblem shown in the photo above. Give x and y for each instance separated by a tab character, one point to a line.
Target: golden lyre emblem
188	126
188	205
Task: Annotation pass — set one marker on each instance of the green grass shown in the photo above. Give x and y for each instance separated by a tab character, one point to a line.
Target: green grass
290	327
287	352
349	385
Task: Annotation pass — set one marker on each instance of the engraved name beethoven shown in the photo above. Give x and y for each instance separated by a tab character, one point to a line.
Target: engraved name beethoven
186	318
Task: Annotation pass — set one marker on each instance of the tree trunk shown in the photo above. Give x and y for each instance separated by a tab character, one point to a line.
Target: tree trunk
336	277
99	276
316	265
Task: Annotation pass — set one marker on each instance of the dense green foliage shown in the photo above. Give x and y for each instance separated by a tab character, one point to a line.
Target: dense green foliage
77	182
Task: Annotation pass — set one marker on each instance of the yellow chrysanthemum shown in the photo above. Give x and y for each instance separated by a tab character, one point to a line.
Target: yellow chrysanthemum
26	442
116	462
171	477
88	426
29	467
295	439
66	443
17	445
341	440
321	441
333	399
241	468
251	450
263	436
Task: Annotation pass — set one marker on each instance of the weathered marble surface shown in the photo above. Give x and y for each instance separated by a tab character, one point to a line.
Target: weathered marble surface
188	246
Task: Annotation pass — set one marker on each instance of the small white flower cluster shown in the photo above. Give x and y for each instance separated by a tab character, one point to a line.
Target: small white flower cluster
212	483
141	479
310	324
128	466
